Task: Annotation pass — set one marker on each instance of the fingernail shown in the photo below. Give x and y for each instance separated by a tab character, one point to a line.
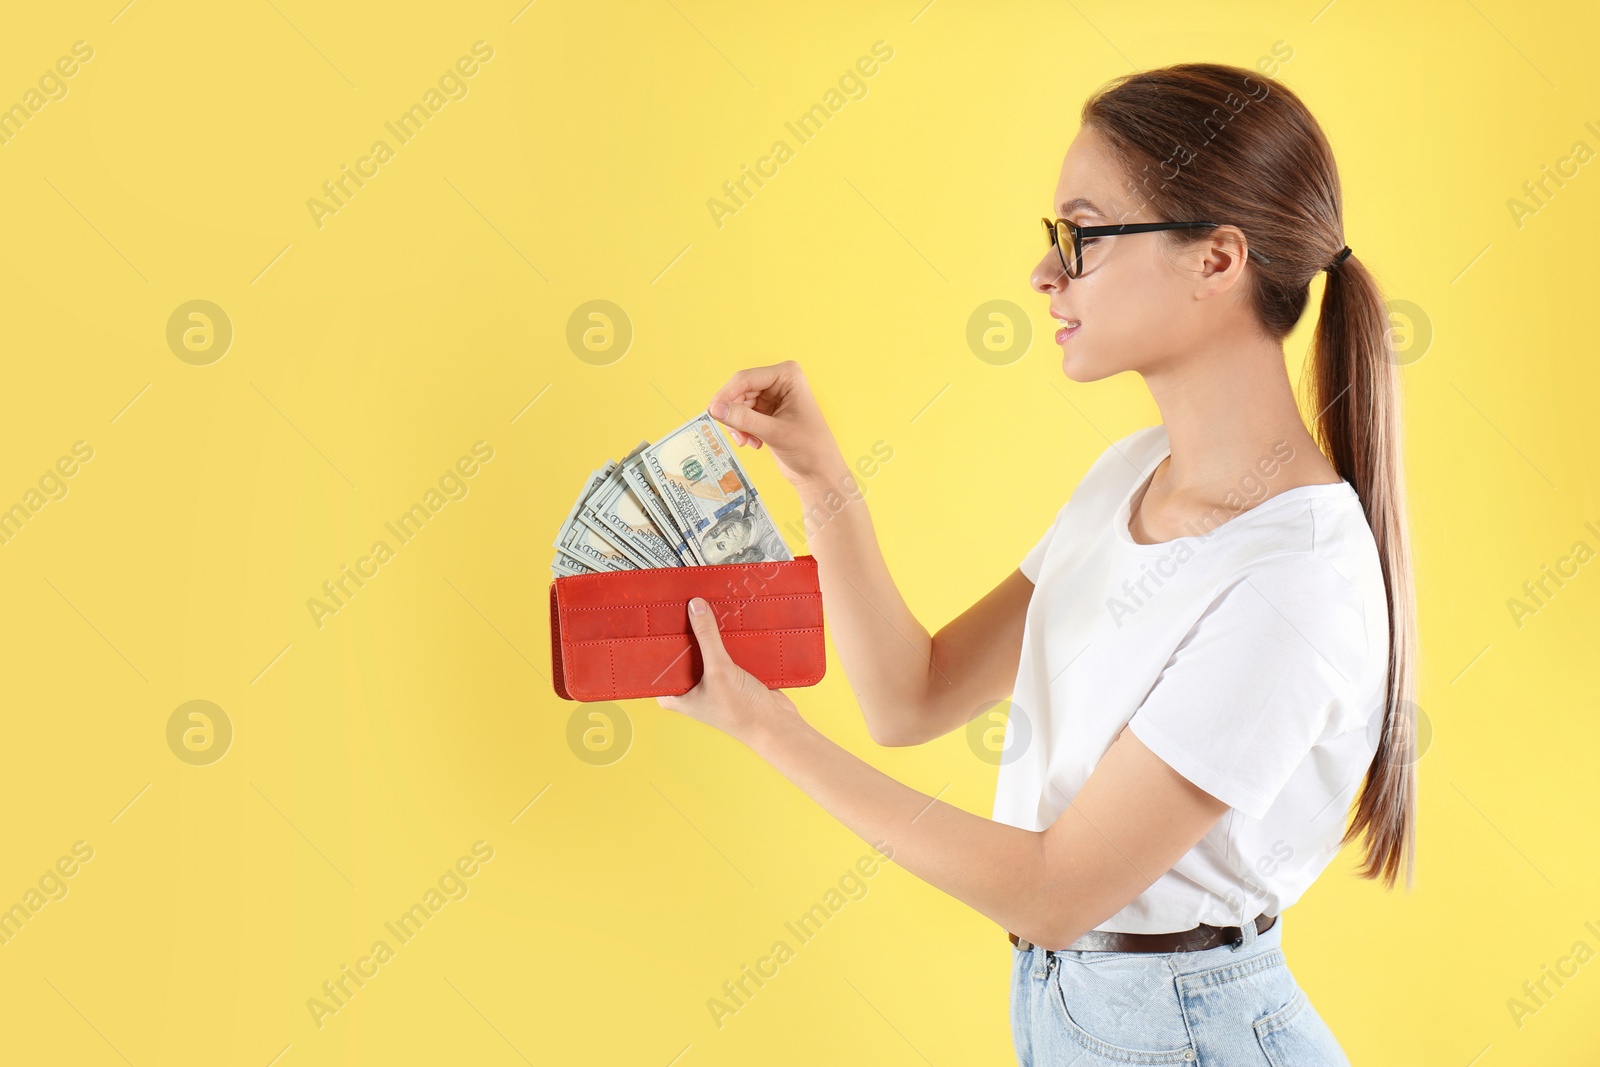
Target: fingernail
697	606
719	410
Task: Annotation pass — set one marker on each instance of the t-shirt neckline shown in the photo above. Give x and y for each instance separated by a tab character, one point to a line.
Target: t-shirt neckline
1342	488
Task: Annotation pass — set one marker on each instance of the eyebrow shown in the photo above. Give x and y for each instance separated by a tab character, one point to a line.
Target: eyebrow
1078	203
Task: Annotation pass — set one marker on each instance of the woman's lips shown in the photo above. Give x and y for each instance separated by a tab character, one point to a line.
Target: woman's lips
1066	332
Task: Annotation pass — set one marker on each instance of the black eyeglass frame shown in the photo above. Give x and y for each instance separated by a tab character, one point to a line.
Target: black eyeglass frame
1079	233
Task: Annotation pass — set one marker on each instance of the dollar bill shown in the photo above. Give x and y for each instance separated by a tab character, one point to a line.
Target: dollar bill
562	567
682	501
613	512
621	533
633	474
584	544
708	496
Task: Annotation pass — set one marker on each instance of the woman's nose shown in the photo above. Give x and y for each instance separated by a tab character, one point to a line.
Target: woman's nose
1047	273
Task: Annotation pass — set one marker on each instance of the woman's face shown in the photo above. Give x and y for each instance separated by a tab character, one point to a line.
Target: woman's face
1140	305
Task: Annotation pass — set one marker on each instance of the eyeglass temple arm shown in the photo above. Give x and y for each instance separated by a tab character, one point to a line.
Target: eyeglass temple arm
1151	227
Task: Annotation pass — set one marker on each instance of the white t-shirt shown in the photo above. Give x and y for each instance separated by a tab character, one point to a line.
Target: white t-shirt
1251	658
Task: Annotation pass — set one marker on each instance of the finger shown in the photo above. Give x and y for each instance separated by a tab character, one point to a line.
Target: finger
742	417
748	383
677	701
704	624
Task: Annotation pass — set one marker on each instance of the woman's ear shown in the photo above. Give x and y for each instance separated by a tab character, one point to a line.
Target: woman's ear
1226	247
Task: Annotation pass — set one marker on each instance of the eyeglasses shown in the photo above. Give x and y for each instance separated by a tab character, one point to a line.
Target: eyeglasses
1063	234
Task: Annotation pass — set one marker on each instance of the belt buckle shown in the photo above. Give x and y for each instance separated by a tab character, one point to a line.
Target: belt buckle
1024	944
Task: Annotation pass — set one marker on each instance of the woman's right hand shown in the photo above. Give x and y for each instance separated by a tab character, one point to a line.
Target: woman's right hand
774	406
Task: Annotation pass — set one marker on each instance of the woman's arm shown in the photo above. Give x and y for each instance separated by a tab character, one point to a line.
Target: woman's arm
885	652
1132	820
911	687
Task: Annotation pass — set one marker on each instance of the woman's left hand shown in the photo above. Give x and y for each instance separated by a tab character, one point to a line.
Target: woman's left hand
727	696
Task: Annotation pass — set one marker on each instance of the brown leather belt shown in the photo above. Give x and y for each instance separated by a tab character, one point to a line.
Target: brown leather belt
1201	937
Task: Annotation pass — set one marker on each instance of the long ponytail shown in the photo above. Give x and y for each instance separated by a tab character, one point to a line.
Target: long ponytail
1352	382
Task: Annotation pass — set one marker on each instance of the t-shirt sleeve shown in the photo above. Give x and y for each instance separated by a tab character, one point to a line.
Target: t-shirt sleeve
1253	687
1035	558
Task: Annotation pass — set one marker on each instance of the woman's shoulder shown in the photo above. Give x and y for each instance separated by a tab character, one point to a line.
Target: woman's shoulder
1122	461
1327	588
1114	470
1137	448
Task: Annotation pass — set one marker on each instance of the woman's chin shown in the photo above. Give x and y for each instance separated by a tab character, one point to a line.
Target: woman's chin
1083	370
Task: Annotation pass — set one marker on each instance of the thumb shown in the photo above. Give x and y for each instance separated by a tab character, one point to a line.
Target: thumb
744	418
704	623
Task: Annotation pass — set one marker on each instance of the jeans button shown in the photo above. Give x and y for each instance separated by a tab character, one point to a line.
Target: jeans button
1188	1053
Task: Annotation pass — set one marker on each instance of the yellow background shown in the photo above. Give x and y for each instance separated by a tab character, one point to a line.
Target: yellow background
431	310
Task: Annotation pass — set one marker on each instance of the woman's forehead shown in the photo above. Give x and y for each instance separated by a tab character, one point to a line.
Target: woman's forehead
1088	182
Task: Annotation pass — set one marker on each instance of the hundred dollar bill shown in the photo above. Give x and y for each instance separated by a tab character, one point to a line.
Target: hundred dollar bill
593	481
562	566
650	500
586	545
613	512
709	497
608	515
616	513
614	522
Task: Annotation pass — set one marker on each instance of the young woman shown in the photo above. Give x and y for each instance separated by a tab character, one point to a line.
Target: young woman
1208	651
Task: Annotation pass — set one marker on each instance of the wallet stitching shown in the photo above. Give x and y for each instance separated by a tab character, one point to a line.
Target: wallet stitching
715	600
663	637
785	683
808	561
613	693
566	609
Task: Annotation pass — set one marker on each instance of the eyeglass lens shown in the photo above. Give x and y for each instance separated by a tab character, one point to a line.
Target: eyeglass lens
1077	262
1057	235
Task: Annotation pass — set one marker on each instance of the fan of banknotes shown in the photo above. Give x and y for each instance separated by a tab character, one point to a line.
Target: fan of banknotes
683	501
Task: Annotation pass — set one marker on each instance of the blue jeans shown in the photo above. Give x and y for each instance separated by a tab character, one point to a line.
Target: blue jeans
1226	1006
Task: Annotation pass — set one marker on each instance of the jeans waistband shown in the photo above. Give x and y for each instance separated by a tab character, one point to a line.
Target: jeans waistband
1197	939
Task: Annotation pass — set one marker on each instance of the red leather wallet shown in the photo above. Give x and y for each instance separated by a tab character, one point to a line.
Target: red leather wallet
621	634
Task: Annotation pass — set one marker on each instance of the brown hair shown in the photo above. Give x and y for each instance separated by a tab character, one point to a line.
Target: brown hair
1215	142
